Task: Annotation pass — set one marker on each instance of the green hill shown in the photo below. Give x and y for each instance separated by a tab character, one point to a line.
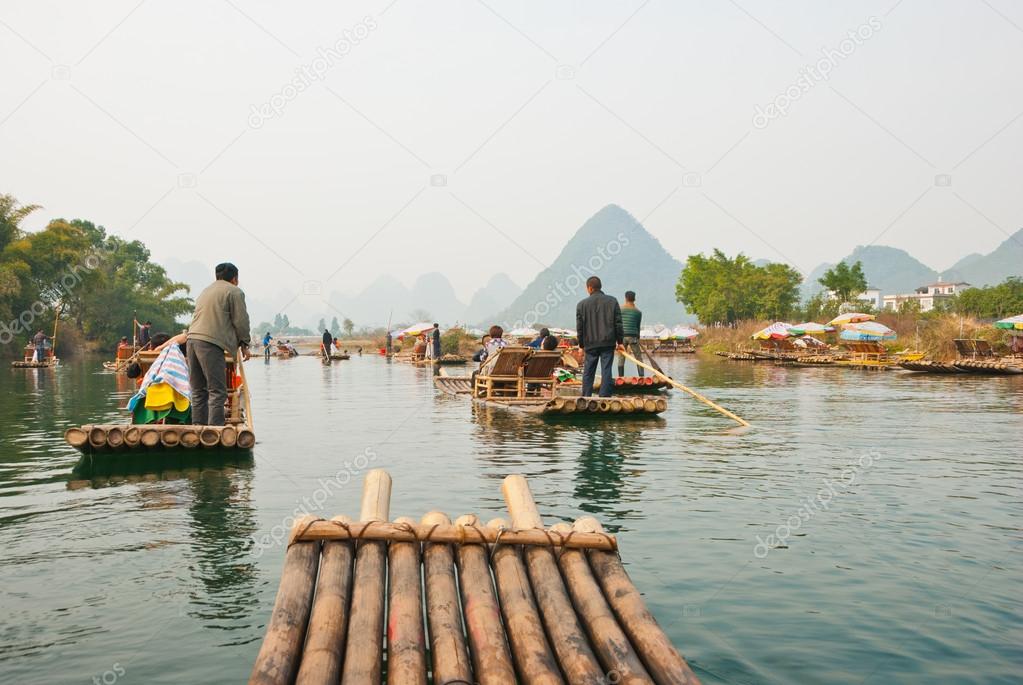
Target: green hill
613	245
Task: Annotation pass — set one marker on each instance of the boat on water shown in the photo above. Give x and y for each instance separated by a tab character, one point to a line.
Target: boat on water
496	602
975	356
30	359
237	433
522	379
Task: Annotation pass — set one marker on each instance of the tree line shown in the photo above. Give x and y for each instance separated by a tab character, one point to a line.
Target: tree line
720	289
95	282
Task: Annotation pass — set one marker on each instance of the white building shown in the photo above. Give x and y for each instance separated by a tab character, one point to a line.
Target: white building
926	295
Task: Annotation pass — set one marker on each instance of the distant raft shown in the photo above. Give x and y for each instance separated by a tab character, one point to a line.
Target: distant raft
459	603
929	366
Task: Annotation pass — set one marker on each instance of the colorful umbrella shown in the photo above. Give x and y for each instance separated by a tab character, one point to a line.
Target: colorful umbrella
851	317
810	328
867	331
647	334
1014	324
775	331
684	332
418	328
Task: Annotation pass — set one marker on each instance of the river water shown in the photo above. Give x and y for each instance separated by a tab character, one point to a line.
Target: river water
867	529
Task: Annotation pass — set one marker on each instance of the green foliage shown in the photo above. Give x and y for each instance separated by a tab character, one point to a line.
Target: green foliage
348	327
450	342
335	328
846	282
820	308
321	325
97	282
722	290
993	301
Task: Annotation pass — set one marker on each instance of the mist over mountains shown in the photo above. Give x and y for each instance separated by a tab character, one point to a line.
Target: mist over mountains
611	244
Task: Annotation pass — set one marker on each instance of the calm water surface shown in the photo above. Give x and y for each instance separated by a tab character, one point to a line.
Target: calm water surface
899	502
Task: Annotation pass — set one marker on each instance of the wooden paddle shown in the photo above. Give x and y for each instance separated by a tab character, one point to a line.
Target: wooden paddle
740	420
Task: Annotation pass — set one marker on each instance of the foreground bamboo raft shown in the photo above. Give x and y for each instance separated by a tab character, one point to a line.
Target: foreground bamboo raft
537	605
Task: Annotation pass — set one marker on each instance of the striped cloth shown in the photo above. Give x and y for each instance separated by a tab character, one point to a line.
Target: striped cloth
170	368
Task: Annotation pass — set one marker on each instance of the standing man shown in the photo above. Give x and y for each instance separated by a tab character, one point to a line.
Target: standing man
266	344
327	340
435	340
144	334
220	324
39	340
632	319
598	319
388	344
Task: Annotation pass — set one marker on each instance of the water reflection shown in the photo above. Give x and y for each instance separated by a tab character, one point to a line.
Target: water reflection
221	522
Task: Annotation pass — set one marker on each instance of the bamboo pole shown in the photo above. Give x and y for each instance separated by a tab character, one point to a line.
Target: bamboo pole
132	436
328	621
246	439
609	641
364	651
692	392
491	659
406	644
115	438
239	360
170	438
447	533
150	438
77	437
189	438
228	436
447	641
533	655
282	646
97	437
209	436
577	660
662	660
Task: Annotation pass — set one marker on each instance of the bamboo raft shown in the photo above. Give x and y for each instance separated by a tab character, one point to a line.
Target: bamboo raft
989	366
27	361
636	384
340	357
929	366
619	406
539	605
446	360
454	385
239	432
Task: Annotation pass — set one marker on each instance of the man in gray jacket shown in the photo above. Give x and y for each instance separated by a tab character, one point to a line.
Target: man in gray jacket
220	324
598	319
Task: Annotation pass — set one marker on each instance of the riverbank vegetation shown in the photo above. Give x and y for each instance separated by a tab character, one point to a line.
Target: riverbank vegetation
96	283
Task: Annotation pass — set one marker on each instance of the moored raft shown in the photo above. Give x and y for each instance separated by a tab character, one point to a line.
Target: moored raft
929	366
617	406
539	605
995	365
454	385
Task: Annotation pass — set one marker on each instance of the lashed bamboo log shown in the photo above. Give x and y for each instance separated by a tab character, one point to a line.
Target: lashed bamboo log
328	622
132	436
491	659
569	406
246	439
609	641
649	406
662	660
577	660
661	403
209	437
639	404
149	438
228	436
189	438
326	530
406	644
533	655
615	406
77	437
98	437
447	641
364	651
170	437
279	656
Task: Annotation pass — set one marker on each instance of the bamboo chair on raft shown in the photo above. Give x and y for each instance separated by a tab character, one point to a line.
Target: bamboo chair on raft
501	375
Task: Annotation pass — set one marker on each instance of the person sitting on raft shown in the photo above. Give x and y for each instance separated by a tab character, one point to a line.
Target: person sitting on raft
492	346
164	393
537	342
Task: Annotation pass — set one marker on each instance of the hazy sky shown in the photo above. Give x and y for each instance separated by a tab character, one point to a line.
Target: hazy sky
442	136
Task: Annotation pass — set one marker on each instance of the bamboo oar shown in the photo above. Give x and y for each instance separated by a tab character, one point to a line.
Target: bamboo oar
245	387
740	420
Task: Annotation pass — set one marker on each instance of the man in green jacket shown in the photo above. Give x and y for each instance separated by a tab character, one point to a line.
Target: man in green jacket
632	319
220	324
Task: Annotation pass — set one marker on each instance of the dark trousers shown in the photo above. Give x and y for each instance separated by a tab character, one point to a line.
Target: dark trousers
632	347
40	353
605	356
207	375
